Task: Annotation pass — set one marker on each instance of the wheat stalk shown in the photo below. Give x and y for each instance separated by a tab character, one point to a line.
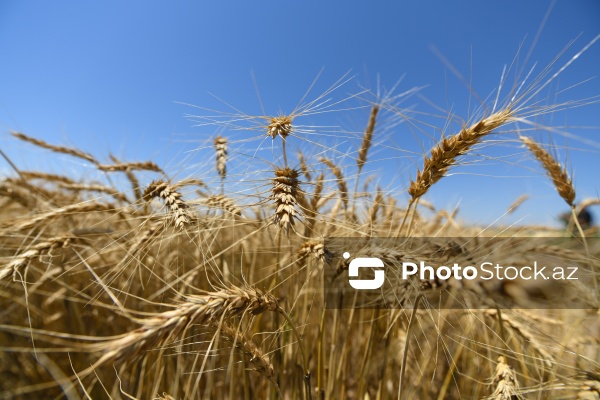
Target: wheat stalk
564	187
584	204
135	183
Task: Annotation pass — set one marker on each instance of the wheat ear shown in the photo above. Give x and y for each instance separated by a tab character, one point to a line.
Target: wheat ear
172	200
505	381
590	386
77	187
313	207
59	149
197	309
367	137
304	166
224	203
280	126
221	149
58	212
341	182
564	187
46	176
517	203
445	153
261	361
19	262
556	172
16	192
130	166
377	203
285	194
315	249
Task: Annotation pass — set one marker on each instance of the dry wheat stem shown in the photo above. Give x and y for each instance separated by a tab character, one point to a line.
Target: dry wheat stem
151	230
135	183
584	204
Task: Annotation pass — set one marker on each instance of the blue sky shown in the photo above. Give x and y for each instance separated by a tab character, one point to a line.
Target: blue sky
115	76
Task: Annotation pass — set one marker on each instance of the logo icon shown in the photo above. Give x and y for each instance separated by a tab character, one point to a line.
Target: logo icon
365	262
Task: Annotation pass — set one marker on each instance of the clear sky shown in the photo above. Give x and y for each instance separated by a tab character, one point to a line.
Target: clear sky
116	76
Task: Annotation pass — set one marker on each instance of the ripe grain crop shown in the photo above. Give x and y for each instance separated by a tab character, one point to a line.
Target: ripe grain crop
137	282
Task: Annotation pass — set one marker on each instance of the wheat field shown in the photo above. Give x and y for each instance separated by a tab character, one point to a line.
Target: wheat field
142	282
